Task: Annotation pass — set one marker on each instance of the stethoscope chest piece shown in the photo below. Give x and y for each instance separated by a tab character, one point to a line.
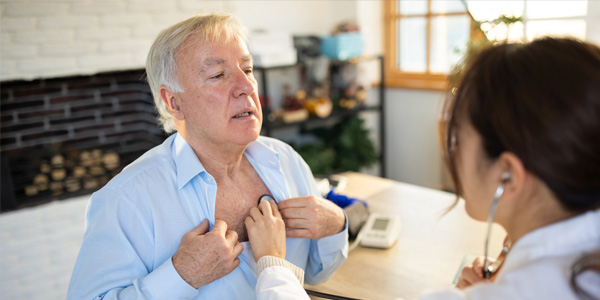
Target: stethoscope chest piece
265	197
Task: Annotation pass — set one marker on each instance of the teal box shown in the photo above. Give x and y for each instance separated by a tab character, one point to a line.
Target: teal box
342	46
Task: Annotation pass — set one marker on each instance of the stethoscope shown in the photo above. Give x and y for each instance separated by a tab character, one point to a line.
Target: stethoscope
489	270
265	197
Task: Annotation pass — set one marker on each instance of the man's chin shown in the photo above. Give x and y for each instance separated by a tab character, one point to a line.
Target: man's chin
248	136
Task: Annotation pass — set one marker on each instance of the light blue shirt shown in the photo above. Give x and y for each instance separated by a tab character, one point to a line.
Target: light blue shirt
135	223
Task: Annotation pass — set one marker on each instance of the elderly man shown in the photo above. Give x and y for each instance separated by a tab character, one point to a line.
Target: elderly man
171	224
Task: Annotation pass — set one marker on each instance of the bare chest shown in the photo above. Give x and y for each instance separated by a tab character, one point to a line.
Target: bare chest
234	201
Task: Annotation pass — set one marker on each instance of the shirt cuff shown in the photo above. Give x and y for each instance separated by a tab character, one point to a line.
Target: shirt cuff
270	261
165	283
335	242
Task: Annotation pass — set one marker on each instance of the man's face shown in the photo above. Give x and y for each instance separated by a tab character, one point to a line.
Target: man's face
220	101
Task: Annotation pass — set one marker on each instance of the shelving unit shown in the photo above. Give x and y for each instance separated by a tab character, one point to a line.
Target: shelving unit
337	114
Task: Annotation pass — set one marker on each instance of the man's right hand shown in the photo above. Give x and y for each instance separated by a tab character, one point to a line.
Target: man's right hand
205	256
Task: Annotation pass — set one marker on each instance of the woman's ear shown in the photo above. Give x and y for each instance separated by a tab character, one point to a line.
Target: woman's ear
513	176
168	97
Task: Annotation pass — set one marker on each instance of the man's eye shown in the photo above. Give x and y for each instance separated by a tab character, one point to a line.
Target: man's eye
248	71
217	76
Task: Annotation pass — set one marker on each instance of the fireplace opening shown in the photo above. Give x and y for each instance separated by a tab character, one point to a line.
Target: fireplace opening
64	137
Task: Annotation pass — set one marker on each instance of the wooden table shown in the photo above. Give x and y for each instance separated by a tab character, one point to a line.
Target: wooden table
429	251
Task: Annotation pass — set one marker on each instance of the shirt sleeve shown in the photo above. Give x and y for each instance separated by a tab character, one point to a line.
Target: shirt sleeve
278	282
326	255
270	261
116	257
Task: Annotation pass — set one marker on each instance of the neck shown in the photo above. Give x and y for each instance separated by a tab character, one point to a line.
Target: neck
540	210
219	160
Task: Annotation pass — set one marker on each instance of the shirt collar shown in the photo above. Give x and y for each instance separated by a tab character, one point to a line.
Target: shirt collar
572	236
263	154
188	165
186	161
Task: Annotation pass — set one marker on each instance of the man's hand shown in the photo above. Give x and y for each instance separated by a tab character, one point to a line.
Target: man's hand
204	257
472	274
266	230
311	217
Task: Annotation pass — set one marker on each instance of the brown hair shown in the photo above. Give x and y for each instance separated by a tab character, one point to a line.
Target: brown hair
540	101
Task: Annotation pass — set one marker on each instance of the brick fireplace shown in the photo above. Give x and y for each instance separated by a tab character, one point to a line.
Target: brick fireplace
64	137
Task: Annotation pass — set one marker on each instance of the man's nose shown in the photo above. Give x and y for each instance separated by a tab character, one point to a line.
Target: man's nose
244	85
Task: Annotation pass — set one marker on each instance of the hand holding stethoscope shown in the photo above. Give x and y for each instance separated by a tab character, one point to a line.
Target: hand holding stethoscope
482	268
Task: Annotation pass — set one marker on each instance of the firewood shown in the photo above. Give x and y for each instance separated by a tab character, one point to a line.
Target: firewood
111	160
72	184
41	182
31	190
58	174
57	161
79	171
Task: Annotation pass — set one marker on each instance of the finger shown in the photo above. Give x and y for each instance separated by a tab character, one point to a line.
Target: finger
275	209
292	213
461	283
478	265
249	222
220	227
202	228
265	208
296	223
298	233
238	248
470	276
292	202
235	264
232	237
255	213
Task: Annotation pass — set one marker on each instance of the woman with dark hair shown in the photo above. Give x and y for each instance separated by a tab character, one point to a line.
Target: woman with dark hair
523	147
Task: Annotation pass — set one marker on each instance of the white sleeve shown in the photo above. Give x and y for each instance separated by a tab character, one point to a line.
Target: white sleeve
278	282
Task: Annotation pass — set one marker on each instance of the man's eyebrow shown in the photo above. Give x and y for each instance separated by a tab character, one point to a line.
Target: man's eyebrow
247	58
211	62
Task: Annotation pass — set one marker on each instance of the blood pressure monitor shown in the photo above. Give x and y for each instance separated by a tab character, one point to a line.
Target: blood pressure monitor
380	231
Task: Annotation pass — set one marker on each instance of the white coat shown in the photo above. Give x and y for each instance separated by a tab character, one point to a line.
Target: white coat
537	267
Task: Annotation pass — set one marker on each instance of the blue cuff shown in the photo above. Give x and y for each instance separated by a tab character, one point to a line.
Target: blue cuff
165	283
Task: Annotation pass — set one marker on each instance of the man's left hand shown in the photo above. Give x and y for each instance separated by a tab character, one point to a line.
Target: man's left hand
311	217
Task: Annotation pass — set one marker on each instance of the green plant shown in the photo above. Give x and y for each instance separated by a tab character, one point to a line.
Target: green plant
479	41
344	147
319	157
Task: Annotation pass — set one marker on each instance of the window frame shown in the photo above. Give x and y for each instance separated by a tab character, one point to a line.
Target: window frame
394	77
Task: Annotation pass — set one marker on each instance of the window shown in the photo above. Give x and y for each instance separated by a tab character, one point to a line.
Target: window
424	39
539	18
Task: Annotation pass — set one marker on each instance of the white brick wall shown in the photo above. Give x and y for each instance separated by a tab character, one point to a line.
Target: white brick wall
52	38
39	247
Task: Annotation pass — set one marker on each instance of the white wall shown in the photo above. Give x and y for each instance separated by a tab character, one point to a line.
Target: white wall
71	37
593	22
412	147
412	136
42	39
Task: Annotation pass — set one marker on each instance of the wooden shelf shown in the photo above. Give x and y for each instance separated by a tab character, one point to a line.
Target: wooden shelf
338	113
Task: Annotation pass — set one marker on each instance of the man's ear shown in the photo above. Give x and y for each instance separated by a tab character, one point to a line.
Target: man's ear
169	99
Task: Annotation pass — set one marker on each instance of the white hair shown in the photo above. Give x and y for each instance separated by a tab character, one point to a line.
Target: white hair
161	64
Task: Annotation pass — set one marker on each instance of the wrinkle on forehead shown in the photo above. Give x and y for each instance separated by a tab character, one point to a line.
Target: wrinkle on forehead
196	40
